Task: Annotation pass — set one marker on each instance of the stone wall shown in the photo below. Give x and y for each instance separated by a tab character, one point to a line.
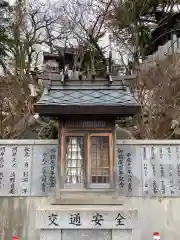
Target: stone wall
17	216
142	168
139	164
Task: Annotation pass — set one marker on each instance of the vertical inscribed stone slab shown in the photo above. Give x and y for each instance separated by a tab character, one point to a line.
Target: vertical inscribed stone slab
161	170
15	170
129	170
28	169
25	154
3	171
44	170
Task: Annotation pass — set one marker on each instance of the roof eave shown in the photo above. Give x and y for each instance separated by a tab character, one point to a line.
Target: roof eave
99	110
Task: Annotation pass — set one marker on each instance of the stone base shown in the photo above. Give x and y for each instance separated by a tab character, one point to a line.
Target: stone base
89	234
87	222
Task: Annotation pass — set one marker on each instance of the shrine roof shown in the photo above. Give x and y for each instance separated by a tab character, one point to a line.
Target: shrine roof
87	97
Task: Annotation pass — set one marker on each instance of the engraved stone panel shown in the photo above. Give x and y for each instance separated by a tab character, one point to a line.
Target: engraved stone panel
27	170
129	170
160	170
78	217
142	170
156	170
44	170
15	170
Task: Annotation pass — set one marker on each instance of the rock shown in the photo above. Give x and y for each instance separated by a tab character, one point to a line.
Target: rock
122	133
177	133
174	124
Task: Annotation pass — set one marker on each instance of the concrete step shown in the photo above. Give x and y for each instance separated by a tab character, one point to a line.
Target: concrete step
88	197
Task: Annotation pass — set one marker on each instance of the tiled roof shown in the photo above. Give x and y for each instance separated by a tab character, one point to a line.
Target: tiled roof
88	96
85	94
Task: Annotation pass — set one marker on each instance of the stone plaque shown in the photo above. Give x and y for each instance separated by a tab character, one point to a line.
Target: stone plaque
129	170
15	170
161	170
44	170
142	170
27	170
80	218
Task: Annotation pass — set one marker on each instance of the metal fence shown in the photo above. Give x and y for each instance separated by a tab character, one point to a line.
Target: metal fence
170	48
